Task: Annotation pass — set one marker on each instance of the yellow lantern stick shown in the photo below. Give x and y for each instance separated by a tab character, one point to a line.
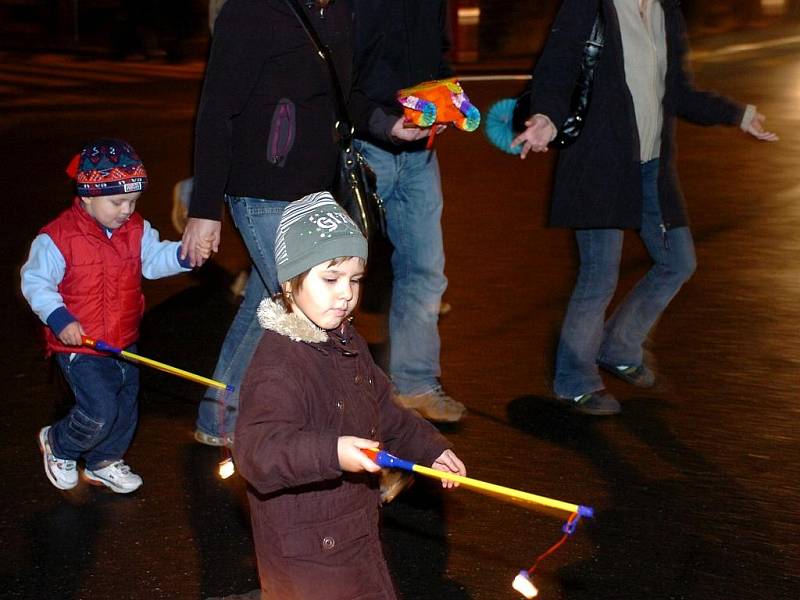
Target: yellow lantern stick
105	347
384	459
522	582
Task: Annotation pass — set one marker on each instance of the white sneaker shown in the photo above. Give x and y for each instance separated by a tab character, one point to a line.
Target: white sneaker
116	476
61	472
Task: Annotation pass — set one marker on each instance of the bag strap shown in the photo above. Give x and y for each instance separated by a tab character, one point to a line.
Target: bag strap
344	124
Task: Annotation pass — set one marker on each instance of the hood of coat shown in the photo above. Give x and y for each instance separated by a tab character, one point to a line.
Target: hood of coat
272	316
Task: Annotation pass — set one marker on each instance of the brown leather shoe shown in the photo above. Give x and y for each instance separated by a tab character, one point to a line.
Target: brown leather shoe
394	481
435	405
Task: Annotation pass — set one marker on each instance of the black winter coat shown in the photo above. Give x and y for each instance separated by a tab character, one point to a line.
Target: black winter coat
597	181
266	120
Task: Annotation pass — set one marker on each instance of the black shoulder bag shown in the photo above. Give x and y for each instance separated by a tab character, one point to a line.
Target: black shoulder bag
356	188
581	94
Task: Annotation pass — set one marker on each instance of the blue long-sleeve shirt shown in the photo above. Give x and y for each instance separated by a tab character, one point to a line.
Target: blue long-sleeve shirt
44	270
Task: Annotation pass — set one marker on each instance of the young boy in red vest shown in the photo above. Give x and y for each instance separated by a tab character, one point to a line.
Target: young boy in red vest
83	277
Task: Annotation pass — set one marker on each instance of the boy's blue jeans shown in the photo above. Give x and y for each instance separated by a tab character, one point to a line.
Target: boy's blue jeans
410	186
100	426
585	339
257	221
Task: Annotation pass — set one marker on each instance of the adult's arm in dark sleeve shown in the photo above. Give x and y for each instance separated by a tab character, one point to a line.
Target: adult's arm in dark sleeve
699	106
237	55
370	118
445	68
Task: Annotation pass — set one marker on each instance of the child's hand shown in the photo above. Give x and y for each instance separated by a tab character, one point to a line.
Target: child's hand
72	334
350	456
449	463
204	248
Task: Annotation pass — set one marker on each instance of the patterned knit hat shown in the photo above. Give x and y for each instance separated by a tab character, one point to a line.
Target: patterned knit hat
107	167
312	230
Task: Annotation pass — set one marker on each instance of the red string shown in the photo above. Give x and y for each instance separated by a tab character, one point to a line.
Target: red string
431	137
554	547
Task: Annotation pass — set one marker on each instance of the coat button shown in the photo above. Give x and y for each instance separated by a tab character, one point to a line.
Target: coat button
339	404
328	543
372	432
358	379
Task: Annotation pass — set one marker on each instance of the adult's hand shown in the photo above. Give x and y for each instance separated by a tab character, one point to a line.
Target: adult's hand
196	236
756	129
402	132
540	130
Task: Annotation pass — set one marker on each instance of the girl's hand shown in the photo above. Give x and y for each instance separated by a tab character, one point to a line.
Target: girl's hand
756	129
351	459
449	463
72	334
540	130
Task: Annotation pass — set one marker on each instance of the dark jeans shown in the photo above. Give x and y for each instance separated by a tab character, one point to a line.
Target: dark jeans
585	339
100	426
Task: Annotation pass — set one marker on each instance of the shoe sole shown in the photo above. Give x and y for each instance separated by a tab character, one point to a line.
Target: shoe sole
211	440
596	412
439	419
422	412
43	443
612	370
593	412
93	479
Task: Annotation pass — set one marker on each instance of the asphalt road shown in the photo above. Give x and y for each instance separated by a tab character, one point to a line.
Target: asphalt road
695	484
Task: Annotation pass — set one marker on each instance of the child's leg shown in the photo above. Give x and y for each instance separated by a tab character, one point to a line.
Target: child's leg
96	382
115	443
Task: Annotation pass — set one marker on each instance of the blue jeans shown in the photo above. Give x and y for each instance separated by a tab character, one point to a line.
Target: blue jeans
257	221
585	340
100	426
410	185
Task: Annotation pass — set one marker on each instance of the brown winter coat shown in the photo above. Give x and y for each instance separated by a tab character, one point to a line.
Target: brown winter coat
315	527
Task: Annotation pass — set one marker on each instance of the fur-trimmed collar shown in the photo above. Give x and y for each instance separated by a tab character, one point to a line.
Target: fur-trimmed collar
274	317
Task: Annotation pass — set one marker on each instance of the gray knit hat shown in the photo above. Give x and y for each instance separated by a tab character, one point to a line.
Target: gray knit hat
312	230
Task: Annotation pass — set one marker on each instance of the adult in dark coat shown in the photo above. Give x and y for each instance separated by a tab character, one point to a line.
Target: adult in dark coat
266	136
620	174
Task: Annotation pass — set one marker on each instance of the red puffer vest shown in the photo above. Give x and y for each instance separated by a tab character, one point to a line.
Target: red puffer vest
102	285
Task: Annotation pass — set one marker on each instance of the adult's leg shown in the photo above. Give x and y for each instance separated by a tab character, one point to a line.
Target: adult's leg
674	261
257	221
410	185
582	330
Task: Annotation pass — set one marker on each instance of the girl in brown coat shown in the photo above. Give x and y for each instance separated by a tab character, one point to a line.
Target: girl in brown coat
312	398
